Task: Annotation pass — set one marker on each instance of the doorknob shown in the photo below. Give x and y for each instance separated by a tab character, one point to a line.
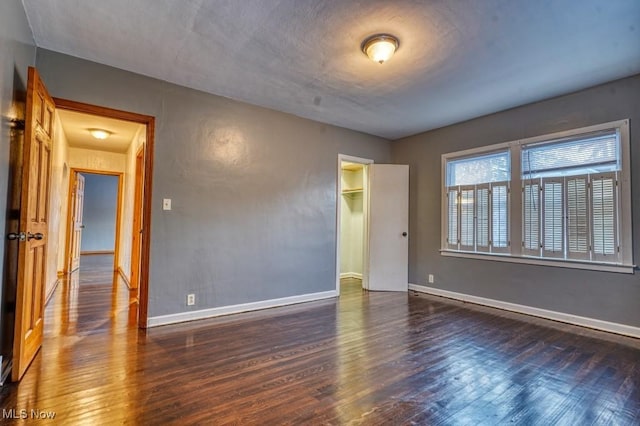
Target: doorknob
37	236
404	234
16	236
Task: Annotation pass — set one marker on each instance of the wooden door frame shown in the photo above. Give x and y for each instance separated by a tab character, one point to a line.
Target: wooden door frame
73	176
71	223
137	219
149	123
365	213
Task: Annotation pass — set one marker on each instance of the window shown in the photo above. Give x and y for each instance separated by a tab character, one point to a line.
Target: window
477	191
573	201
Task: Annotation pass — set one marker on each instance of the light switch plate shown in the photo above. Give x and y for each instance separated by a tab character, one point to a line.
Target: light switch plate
166	204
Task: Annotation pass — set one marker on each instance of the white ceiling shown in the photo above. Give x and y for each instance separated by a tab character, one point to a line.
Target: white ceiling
458	59
76	128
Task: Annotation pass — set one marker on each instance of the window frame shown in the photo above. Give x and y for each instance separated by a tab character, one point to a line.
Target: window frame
515	251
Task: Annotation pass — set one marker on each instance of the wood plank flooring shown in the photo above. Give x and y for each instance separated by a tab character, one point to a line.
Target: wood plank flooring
365	359
96	269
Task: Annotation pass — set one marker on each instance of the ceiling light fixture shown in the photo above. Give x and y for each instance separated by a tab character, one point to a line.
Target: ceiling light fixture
100	133
380	47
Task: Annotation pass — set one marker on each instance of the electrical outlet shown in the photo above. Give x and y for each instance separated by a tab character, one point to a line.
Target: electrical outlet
431	280
191	299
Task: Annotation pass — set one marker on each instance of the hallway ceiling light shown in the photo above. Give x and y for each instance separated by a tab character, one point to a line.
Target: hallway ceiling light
380	47
100	133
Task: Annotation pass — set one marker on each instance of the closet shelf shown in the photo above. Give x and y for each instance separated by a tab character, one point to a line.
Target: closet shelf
351	190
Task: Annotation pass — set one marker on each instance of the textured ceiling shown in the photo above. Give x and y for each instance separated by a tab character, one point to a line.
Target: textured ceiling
458	59
76	128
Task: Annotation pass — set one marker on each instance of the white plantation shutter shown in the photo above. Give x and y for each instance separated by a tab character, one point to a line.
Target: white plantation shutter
531	217
577	201
467	218
477	218
552	217
452	219
500	217
482	218
604	217
573	198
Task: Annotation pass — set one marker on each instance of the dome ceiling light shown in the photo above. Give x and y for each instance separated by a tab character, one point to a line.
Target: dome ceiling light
380	47
100	133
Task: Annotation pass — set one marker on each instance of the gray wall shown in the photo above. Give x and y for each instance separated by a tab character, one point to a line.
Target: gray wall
17	52
606	296
99	215
253	190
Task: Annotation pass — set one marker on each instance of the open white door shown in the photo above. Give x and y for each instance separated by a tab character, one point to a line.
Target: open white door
388	260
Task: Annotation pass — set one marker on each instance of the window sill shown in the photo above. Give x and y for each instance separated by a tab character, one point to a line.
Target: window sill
602	267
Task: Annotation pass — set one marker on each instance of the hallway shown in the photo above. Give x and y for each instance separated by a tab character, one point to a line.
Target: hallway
93	299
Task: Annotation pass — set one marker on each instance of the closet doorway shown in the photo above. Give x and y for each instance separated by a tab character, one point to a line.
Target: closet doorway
352	220
372	238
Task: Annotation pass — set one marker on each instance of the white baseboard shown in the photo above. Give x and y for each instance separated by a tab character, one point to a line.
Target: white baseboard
612	327
351	275
235	309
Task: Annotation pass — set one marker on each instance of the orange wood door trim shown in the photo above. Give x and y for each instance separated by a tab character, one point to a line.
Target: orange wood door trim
68	262
74	234
149	122
137	227
74	172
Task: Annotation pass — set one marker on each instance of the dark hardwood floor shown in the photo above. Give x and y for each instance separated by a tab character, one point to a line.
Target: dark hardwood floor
367	358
